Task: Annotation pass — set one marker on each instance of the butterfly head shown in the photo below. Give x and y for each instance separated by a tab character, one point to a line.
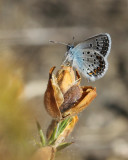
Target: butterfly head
70	47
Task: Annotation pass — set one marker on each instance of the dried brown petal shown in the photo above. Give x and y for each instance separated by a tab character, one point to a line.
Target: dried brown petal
65	78
88	95
57	92
53	97
70	97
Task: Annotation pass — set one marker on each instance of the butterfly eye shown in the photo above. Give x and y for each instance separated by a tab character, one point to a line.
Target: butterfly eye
68	47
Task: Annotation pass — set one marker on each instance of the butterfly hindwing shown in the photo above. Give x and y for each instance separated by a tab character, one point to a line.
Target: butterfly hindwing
90	63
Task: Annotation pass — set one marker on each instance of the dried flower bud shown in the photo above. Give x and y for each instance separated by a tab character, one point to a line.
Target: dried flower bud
64	95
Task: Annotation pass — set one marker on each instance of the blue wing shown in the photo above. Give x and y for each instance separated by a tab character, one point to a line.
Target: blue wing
90	56
90	63
100	43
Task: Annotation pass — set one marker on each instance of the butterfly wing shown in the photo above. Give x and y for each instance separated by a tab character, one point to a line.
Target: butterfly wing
90	63
90	56
101	43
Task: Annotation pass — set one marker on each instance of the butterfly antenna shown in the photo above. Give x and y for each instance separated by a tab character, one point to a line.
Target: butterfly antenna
59	43
73	40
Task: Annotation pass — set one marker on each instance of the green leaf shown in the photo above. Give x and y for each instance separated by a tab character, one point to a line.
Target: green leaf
59	129
63	125
63	145
42	138
53	136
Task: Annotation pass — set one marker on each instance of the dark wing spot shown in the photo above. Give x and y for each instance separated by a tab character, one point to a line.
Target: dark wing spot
98	44
88	52
99	57
90	45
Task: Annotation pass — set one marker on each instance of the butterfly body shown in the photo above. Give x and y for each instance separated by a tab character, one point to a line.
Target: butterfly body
90	56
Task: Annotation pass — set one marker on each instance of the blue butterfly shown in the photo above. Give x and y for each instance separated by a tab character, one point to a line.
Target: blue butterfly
90	56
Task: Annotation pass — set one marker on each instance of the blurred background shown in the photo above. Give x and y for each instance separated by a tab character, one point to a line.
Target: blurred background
25	30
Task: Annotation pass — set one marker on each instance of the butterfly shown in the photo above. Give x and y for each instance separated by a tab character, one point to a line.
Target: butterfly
90	56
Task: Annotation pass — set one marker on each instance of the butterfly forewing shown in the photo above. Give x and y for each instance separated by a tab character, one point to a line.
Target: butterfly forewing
100	43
